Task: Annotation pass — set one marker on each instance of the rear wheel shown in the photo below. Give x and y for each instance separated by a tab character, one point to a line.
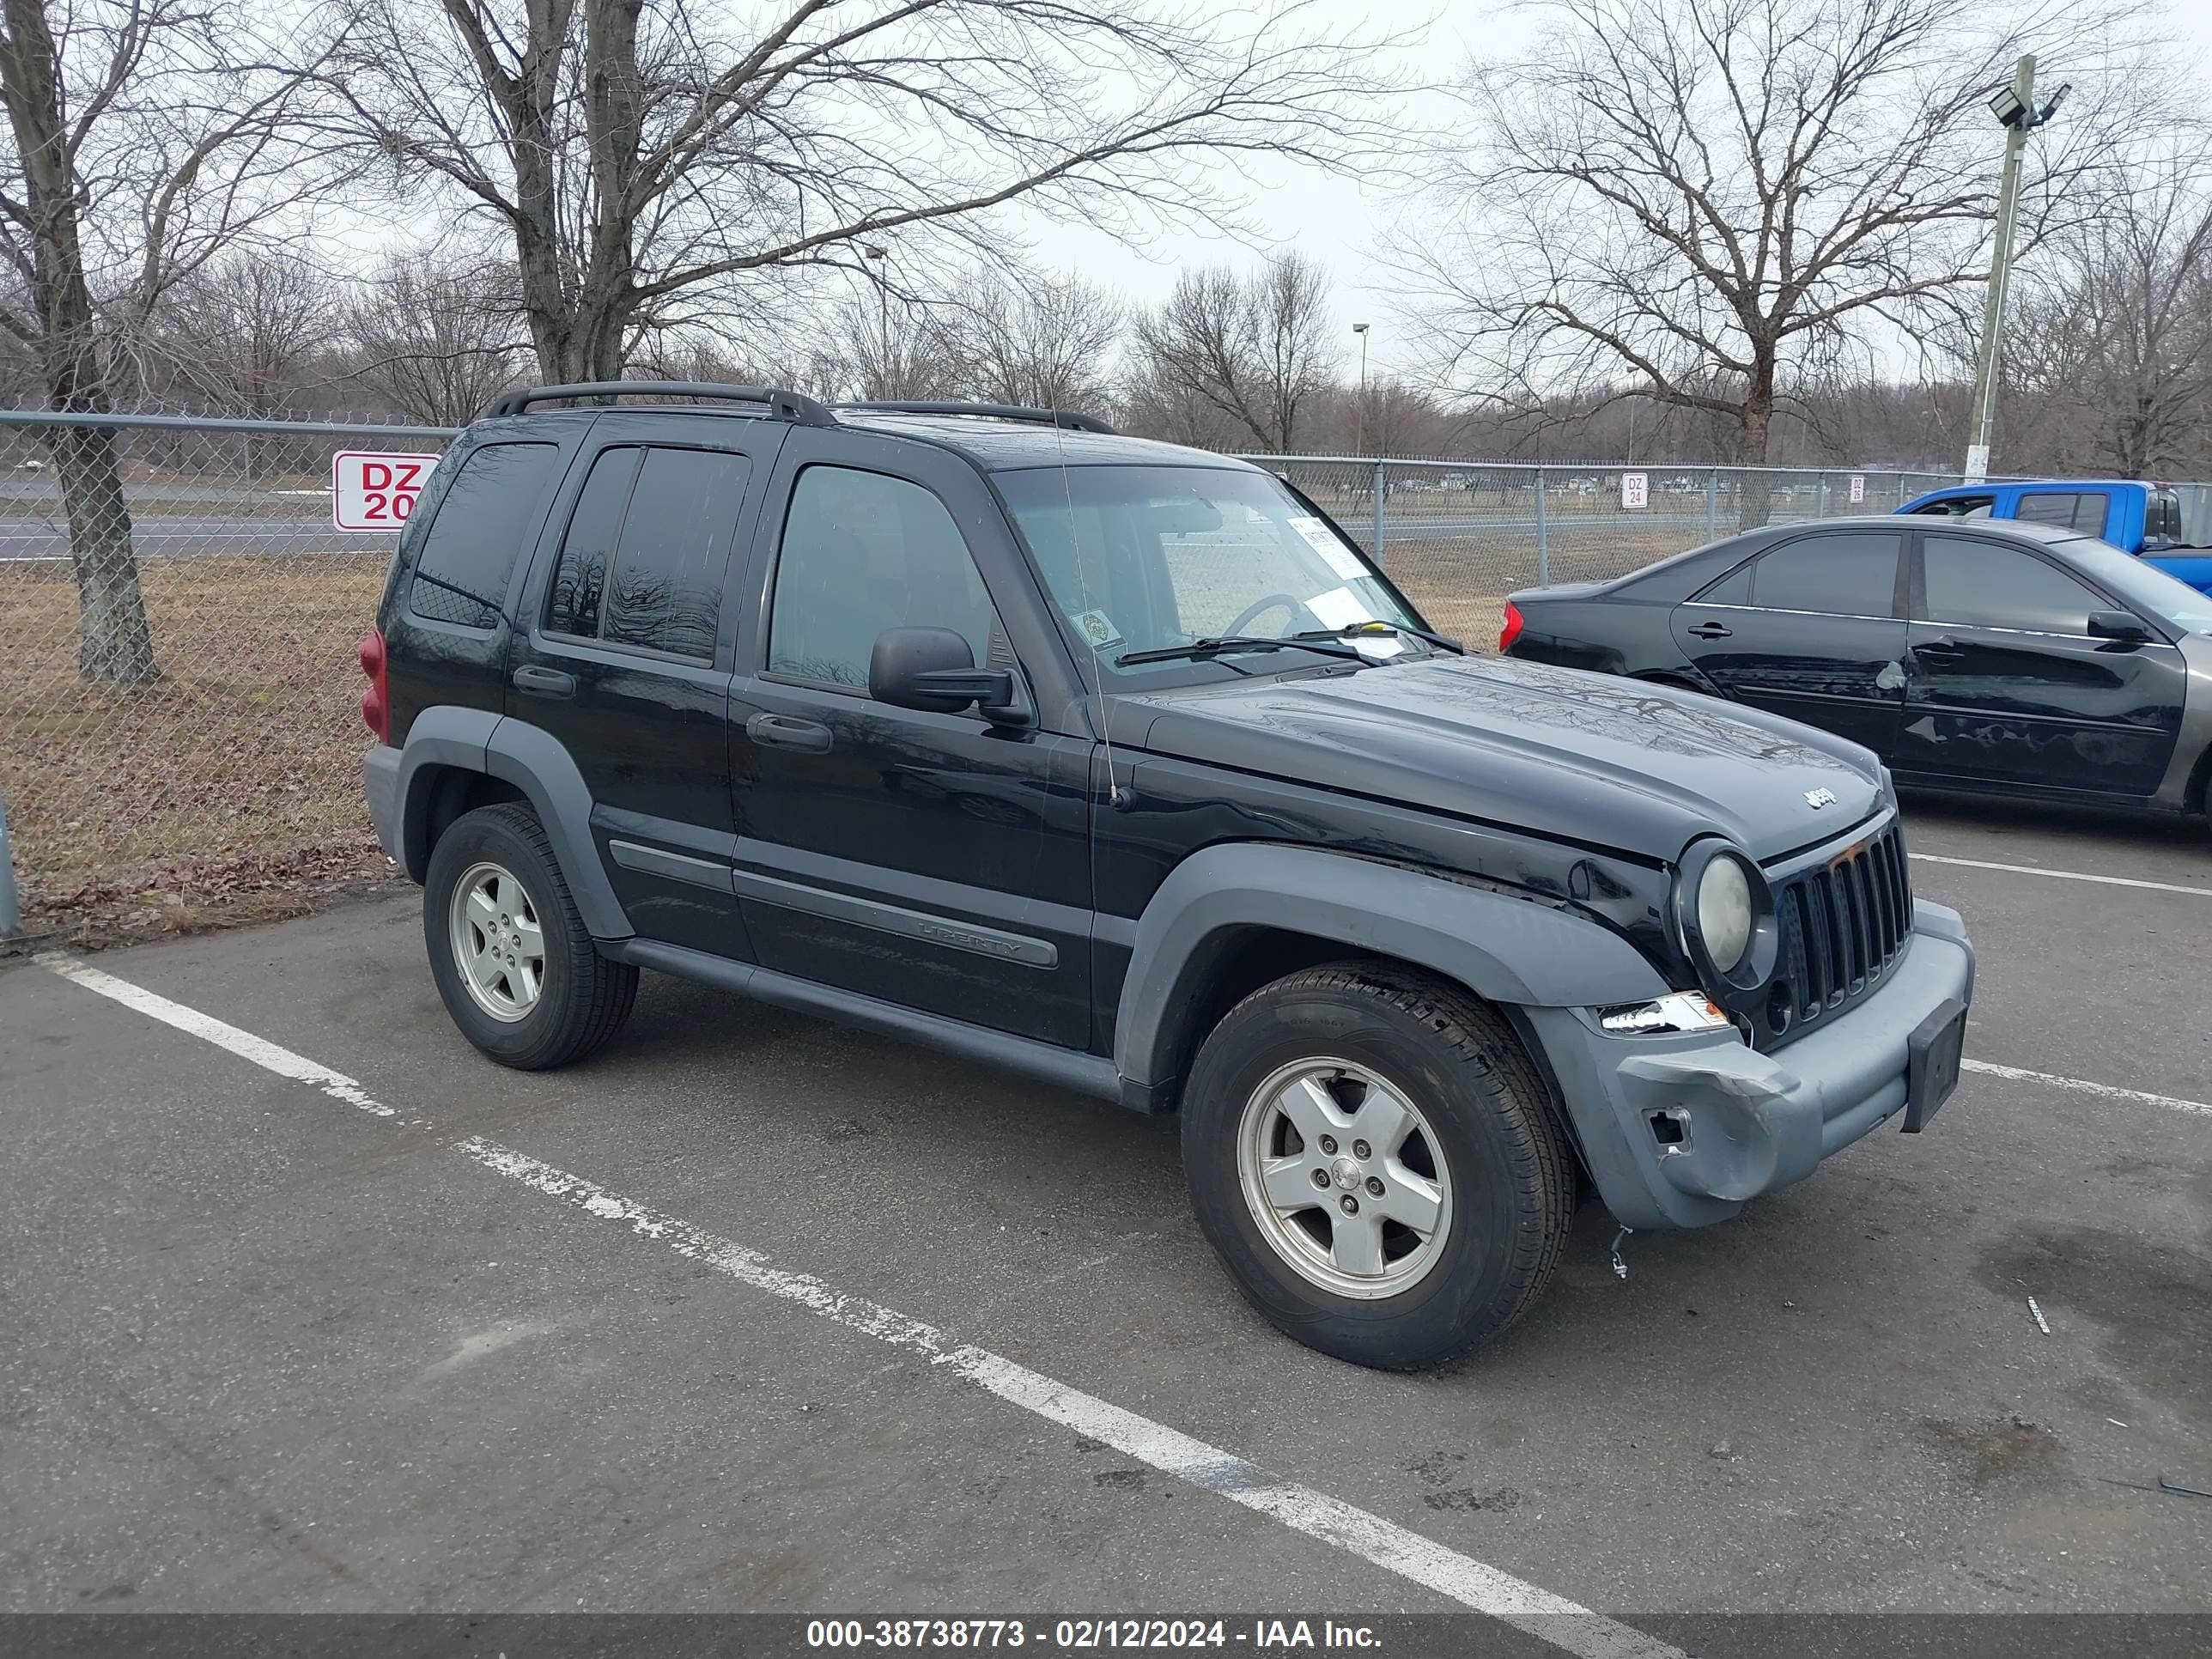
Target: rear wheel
1373	1156
513	960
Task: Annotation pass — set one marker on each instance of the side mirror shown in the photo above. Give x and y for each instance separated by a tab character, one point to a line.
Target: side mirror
2124	625
932	669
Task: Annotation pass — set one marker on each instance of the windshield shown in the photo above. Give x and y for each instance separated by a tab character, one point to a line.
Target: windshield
2142	587
1143	558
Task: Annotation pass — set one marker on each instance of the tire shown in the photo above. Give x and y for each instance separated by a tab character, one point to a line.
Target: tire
574	1002
1497	1166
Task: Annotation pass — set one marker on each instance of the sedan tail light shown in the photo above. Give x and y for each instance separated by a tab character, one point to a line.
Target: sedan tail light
1513	625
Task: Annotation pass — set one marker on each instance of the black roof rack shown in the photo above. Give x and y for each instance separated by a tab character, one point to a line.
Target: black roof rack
1066	418
794	406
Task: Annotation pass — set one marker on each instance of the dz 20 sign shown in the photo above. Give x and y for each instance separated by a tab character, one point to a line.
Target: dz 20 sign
374	489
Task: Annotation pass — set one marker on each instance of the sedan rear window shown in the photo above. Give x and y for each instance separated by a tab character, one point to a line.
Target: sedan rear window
1842	573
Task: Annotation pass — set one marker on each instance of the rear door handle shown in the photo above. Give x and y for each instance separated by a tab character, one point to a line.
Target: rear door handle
782	731
1710	631
545	682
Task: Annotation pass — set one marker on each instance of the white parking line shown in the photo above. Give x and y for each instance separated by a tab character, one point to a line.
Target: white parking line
246	1046
2064	875
2202	1109
1471	1584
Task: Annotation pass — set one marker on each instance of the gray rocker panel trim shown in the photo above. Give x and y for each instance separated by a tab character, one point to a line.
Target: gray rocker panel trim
1064	1068
1507	950
533	761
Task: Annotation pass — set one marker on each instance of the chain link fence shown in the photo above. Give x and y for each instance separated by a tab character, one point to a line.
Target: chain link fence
1459	536
179	718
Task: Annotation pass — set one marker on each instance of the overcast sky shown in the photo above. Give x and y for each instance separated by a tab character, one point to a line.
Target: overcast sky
1337	220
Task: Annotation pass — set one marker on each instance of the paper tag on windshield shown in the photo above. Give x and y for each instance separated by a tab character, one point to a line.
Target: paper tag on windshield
1097	627
1323	541
1339	608
1342	608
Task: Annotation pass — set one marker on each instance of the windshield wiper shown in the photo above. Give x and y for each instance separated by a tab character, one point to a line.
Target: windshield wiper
1214	645
1354	630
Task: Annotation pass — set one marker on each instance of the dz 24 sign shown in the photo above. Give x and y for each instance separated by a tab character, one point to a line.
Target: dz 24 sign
374	489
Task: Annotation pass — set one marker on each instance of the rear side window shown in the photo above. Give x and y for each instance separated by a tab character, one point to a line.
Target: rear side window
1959	507
642	561
2068	511
1734	588
489	506
1981	585
1853	573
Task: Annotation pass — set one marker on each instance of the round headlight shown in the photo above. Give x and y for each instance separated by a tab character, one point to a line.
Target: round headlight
1724	918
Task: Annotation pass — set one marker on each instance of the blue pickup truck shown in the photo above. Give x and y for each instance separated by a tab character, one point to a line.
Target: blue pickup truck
2169	525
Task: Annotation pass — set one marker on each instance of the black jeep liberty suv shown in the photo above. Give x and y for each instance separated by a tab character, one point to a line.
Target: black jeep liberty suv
1119	764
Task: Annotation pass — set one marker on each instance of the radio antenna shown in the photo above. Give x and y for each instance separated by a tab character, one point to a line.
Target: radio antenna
1116	795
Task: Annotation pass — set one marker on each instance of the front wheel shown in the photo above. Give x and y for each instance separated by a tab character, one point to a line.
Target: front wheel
1374	1157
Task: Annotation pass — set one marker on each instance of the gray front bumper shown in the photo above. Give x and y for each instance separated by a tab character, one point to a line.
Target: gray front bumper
380	782
1748	1123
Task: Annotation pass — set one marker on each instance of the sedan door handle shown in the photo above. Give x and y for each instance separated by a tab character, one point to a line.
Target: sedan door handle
545	682
1710	631
782	731
1940	650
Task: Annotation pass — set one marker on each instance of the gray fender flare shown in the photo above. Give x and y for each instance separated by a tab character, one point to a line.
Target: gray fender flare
1506	949
534	762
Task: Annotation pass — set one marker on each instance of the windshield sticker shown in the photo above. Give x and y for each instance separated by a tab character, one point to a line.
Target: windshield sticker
1339	608
1323	541
1097	627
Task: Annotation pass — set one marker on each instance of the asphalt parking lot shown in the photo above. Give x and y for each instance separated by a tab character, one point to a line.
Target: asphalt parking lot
754	1313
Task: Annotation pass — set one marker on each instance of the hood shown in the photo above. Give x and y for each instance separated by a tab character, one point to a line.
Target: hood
1611	763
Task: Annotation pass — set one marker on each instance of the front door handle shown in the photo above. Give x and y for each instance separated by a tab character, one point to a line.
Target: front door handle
1710	631
1940	650
782	731
545	682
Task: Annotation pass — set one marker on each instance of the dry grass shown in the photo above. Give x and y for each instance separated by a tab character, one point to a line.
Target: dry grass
246	750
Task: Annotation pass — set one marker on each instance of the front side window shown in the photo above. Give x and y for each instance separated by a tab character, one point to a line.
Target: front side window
1141	558
1850	574
469	550
863	552
641	562
1976	584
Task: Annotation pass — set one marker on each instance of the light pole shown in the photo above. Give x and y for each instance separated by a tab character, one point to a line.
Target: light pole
883	314
1359	416
2014	108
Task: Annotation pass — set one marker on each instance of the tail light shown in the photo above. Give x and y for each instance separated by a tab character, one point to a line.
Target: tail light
376	701
1512	630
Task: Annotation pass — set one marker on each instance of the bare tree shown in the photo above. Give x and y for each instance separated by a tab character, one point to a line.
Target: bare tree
649	157
1704	201
885	347
2112	342
1255	350
244	330
149	138
440	337
1041	342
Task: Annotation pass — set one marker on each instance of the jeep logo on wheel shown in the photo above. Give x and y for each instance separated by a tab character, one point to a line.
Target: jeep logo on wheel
1816	798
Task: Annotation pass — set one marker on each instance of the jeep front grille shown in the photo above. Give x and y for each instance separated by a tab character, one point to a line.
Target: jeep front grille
1842	921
